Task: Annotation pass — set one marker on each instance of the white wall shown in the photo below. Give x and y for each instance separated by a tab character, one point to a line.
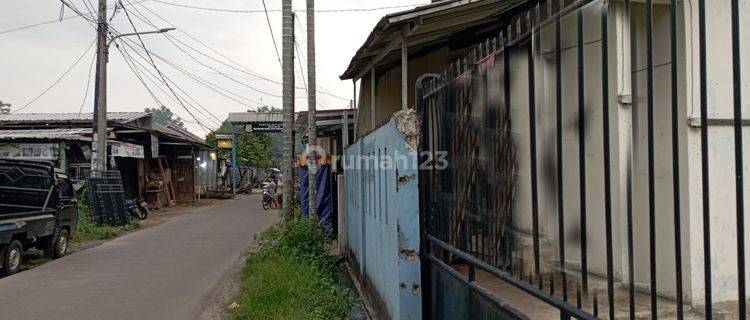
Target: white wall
629	145
721	146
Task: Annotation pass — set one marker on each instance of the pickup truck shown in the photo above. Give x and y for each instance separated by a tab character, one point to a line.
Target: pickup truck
38	209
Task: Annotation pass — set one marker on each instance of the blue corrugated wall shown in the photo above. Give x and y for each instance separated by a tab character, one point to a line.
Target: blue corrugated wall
382	220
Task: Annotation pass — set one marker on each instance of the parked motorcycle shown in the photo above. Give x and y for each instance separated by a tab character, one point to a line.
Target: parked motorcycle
137	208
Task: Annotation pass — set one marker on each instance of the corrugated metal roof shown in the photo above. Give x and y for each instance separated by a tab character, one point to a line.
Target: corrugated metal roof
47	134
426	26
70	117
178	132
254	117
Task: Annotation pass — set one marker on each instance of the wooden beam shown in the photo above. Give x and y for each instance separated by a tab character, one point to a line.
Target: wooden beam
404	70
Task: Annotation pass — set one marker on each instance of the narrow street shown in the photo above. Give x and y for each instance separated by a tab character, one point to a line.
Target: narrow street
169	271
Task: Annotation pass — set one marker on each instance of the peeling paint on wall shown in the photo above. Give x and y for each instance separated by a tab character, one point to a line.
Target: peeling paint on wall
407	124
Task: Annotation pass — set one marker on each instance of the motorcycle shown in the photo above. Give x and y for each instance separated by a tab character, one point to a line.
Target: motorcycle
137	208
268	200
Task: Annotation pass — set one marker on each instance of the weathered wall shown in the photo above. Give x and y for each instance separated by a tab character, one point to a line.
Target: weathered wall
382	218
388	88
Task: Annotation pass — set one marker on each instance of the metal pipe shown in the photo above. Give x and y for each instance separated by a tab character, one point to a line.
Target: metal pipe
582	152
738	157
704	160
675	157
650	154
563	306
532	142
559	151
607	160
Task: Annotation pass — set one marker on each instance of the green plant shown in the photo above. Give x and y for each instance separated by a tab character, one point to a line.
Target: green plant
292	276
300	237
87	229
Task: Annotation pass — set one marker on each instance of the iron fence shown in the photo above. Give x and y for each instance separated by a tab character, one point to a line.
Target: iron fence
570	160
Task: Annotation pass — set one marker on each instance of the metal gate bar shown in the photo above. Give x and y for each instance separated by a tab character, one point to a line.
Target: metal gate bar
463	229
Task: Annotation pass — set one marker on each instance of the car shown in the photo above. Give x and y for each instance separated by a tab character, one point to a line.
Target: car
38	209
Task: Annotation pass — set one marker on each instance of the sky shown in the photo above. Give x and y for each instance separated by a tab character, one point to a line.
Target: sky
216	62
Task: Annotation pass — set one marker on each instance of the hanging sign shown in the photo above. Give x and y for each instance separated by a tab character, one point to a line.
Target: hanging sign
263	127
127	150
224	141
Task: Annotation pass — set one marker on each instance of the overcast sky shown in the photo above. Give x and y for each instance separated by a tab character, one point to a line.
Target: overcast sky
34	58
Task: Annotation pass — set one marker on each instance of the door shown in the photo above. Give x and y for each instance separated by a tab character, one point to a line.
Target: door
183	171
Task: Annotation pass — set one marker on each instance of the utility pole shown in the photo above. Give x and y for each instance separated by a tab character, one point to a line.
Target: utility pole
287	163
312	130
99	137
99	124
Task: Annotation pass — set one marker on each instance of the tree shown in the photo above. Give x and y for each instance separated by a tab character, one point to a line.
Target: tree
165	116
253	149
276	141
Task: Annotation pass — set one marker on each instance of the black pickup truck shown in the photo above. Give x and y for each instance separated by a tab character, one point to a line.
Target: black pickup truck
37	209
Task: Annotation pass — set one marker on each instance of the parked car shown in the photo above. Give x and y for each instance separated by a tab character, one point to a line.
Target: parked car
38	209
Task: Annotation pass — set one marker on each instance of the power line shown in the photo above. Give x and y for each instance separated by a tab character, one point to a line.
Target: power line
270	29
199	80
77	12
154	79
216	88
58	79
132	65
171	38
237	66
88	84
279	10
174	96
52	21
157	68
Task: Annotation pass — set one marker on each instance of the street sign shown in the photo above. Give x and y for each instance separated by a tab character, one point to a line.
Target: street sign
263	127
224	141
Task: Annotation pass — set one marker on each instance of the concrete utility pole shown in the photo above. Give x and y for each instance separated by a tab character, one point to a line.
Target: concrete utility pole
99	137
312	130
287	163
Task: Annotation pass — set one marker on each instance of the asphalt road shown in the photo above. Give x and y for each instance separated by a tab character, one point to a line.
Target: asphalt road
169	271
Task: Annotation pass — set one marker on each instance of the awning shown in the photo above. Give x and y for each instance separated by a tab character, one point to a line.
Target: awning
76	134
424	27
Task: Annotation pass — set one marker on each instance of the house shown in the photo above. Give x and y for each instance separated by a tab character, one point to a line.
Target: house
593	151
138	147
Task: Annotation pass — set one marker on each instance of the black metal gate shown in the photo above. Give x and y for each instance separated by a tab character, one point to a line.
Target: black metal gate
545	127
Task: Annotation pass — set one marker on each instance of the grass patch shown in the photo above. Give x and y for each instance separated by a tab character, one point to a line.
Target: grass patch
33	263
88	230
292	276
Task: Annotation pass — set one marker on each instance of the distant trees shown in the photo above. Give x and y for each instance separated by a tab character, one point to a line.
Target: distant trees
165	116
253	149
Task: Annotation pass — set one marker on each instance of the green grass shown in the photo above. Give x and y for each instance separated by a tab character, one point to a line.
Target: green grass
88	230
33	263
292	276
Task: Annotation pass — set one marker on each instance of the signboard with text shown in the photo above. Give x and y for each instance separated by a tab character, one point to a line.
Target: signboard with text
127	150
264	127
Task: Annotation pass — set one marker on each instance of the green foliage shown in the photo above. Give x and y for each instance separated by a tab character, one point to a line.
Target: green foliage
277	145
291	276
88	230
164	115
33	263
300	237
253	149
